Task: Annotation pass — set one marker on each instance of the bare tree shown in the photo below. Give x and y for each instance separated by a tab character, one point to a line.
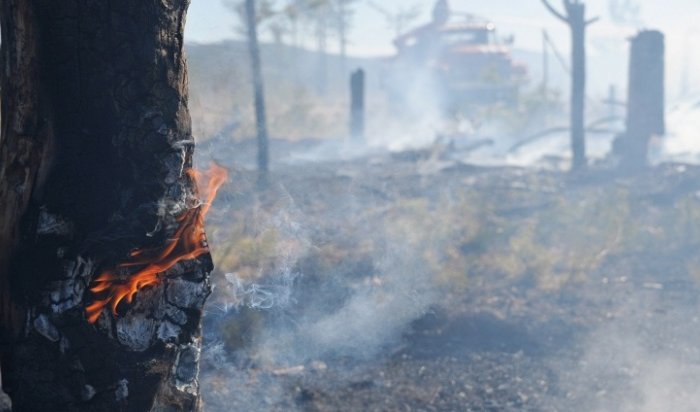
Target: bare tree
324	18
301	14
252	17
258	90
103	260
265	12
318	12
343	14
292	13
399	20
575	17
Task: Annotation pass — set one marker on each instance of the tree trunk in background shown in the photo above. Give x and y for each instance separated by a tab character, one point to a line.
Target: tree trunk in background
322	50
343	46
343	18
95	154
578	85
357	105
575	17
259	92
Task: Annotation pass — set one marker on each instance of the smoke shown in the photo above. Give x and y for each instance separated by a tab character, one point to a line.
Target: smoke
296	312
414	110
262	296
404	111
643	358
314	317
372	317
681	144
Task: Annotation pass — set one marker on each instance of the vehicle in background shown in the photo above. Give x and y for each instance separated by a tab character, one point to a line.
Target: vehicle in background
462	59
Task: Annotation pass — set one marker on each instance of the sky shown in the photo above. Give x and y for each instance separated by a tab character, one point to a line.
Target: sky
210	21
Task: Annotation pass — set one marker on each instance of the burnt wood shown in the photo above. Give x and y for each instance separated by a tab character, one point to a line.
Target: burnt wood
357	104
574	16
95	148
646	98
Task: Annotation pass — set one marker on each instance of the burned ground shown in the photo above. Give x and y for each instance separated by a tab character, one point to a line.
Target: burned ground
409	283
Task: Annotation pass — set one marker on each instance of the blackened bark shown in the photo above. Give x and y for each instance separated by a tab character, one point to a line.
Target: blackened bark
578	85
575	17
96	147
24	140
357	104
259	91
646	98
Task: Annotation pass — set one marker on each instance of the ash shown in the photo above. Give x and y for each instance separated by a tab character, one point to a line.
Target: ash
385	283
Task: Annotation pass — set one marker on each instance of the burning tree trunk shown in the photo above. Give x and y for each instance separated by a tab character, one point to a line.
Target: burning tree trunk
104	263
258	90
575	18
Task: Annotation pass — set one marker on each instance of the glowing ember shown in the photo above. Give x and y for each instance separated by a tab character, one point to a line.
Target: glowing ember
188	242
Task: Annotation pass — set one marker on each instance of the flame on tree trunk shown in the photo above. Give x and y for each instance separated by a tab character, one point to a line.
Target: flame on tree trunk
95	161
189	242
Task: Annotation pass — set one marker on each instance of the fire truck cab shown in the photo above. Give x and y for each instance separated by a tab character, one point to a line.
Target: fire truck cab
465	58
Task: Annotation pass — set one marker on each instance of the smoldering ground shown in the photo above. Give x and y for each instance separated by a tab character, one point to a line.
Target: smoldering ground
644	357
379	277
368	284
448	266
302	313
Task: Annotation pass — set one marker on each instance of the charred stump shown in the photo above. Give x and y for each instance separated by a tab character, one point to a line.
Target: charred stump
645	101
357	104
96	183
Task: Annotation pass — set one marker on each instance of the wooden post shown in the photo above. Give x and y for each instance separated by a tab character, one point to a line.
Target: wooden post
646	97
357	107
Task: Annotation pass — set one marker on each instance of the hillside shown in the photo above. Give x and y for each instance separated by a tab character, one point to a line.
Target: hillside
300	103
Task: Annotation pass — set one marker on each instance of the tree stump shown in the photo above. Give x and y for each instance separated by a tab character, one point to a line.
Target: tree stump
646	98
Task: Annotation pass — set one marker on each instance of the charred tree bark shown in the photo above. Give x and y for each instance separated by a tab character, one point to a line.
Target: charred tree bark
575	18
645	101
357	105
25	137
578	85
95	155
259	92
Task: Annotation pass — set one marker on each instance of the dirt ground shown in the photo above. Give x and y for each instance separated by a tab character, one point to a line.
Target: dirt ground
452	287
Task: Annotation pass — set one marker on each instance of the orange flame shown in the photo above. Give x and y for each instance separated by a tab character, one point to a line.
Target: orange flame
188	242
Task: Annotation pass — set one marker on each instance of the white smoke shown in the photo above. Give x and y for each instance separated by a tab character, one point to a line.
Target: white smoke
262	296
644	358
683	140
